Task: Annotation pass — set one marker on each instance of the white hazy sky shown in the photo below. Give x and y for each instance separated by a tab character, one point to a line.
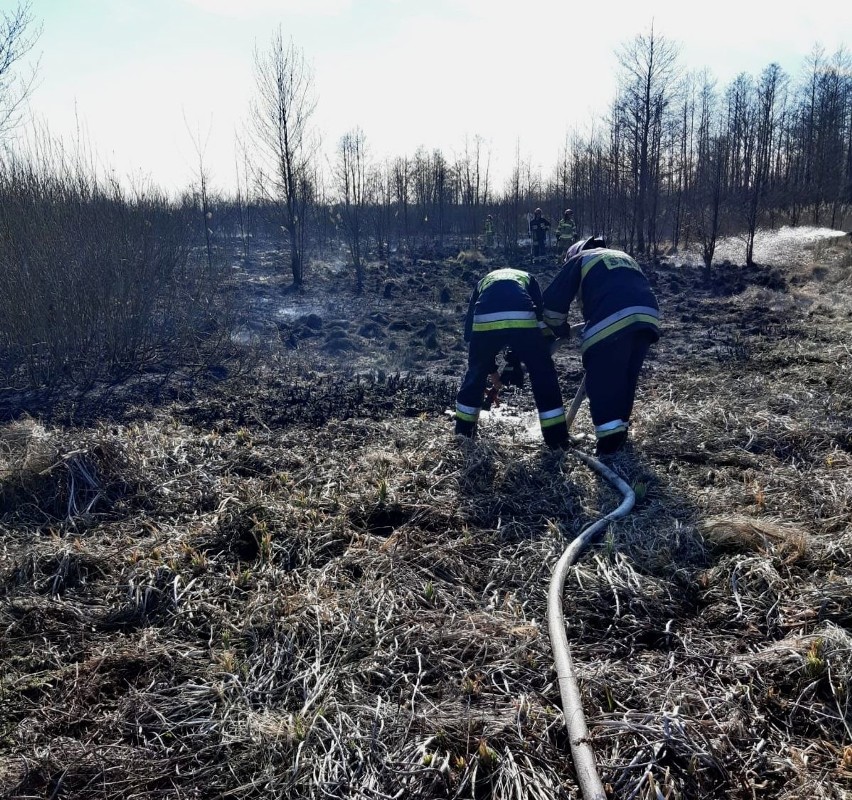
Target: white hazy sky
137	75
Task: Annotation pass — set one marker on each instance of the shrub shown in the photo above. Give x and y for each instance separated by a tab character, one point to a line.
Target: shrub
97	282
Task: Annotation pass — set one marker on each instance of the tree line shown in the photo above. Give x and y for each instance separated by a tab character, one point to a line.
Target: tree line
677	161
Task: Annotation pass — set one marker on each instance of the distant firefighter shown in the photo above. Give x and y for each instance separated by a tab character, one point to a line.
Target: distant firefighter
505	311
622	322
489	232
566	231
539	226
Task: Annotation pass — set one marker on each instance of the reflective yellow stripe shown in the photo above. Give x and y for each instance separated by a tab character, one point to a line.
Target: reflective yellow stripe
504	274
466	417
506	323
604	434
612	261
589	264
618	326
497	316
549	423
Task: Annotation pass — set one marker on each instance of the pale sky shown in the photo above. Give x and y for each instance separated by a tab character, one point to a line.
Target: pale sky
137	75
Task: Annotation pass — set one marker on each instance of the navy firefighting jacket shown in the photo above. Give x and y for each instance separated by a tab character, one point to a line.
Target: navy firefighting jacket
614	296
504	299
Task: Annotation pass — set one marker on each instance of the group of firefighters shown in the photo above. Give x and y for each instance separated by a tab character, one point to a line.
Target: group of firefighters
509	313
566	232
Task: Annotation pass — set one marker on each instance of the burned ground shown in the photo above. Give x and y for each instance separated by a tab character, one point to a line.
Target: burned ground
284	576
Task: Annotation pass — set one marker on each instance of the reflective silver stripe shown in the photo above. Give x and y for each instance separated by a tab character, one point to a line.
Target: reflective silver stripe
619	315
466	409
611	427
499	315
608	426
554	318
556	412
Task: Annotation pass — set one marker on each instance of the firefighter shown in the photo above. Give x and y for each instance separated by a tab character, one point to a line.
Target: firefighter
539	226
566	231
505	311
621	318
489	232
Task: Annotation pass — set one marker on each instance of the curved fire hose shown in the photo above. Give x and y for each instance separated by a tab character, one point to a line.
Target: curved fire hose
572	707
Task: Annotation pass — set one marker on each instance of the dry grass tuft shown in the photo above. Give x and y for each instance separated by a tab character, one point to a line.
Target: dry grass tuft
744	534
471	258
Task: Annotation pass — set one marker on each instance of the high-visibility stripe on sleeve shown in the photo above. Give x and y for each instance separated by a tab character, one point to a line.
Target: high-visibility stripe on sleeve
619	321
588	265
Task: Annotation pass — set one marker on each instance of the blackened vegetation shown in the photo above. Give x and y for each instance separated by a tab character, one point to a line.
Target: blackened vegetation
315	400
294	582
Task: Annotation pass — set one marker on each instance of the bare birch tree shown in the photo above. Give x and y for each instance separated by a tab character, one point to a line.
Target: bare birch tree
648	68
281	116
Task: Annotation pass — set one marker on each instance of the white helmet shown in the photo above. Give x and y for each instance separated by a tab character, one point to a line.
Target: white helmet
585	244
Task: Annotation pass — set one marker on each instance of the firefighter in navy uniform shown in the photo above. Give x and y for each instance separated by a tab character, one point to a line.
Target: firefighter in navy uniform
622	322
539	226
505	311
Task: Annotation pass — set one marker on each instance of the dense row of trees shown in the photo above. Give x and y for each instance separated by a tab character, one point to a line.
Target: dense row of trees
677	161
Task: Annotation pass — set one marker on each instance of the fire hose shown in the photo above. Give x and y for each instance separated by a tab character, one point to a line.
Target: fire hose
591	787
582	754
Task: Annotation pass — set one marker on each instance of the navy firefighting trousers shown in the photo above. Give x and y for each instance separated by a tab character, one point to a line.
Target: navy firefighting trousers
530	346
612	372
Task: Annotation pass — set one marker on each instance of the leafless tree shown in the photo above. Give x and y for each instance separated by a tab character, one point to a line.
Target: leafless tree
511	204
18	35
243	199
401	176
472	177
648	67
203	194
681	155
380	202
351	174
282	115
711	165
771	85
831	138
432	187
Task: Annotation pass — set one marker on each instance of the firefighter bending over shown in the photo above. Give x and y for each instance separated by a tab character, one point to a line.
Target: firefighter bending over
506	310
622	321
